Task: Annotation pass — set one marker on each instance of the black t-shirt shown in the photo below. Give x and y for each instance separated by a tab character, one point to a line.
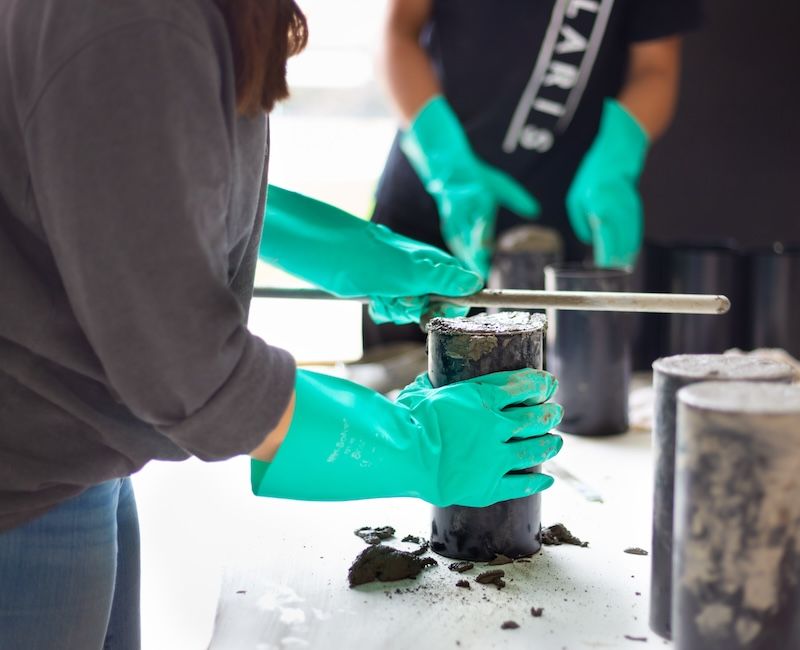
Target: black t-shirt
527	80
731	161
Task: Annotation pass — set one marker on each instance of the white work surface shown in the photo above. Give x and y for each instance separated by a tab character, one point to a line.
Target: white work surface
285	585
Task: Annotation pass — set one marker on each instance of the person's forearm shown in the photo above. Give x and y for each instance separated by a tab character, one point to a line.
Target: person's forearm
651	89
269	447
407	71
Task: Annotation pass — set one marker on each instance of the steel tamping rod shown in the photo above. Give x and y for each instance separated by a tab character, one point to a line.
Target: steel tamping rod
664	303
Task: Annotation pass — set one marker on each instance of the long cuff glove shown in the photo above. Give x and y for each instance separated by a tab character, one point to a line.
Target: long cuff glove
449	445
467	191
352	257
603	201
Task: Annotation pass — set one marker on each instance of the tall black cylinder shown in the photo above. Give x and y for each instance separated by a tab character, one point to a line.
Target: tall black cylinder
590	352
775	299
463	348
737	517
718	269
669	376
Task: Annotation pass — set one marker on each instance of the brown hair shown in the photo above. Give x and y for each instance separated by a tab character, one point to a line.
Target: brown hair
264	34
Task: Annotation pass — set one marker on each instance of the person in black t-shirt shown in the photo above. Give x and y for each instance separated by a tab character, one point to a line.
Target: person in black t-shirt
514	109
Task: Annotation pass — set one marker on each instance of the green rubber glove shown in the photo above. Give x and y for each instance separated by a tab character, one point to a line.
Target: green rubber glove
446	445
467	191
348	256
603	201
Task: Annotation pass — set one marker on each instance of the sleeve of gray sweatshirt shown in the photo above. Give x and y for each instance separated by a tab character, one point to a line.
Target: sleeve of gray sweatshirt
130	152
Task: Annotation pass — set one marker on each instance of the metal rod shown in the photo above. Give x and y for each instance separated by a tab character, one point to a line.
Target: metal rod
664	303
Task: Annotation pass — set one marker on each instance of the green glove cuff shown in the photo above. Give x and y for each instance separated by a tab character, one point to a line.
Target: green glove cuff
622	138
306	237
342	440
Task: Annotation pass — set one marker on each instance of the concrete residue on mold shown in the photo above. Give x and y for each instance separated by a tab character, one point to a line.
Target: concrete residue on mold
530	239
510	322
471	347
728	367
739	537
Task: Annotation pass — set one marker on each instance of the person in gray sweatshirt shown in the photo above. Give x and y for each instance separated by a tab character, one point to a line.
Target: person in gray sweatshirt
133	183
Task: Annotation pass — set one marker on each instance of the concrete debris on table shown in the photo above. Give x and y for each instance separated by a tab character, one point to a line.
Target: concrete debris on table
635	550
374	535
559	534
385	564
493	577
460	566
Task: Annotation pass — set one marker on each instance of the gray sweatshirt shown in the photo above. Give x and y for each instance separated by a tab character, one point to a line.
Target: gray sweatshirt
131	203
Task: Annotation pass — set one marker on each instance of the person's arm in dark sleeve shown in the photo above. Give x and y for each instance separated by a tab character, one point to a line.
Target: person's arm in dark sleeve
131	163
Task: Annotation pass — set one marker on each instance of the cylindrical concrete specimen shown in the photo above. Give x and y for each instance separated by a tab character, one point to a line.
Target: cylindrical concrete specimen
521	255
463	348
736	564
715	269
590	352
670	375
775	304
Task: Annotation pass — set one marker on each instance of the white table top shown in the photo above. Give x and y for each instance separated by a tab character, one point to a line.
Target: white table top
285	577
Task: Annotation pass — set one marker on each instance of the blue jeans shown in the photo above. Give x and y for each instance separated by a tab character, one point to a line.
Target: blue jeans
69	580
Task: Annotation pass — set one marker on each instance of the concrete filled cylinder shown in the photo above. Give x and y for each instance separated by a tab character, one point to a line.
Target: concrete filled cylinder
670	374
590	352
521	255
464	348
736	564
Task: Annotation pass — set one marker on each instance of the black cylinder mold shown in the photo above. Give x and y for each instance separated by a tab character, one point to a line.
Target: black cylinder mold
736	563
710	269
590	352
670	374
775	299
463	348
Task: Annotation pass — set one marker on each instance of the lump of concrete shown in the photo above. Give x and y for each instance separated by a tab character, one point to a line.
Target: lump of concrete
385	564
374	535
635	550
493	577
558	534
